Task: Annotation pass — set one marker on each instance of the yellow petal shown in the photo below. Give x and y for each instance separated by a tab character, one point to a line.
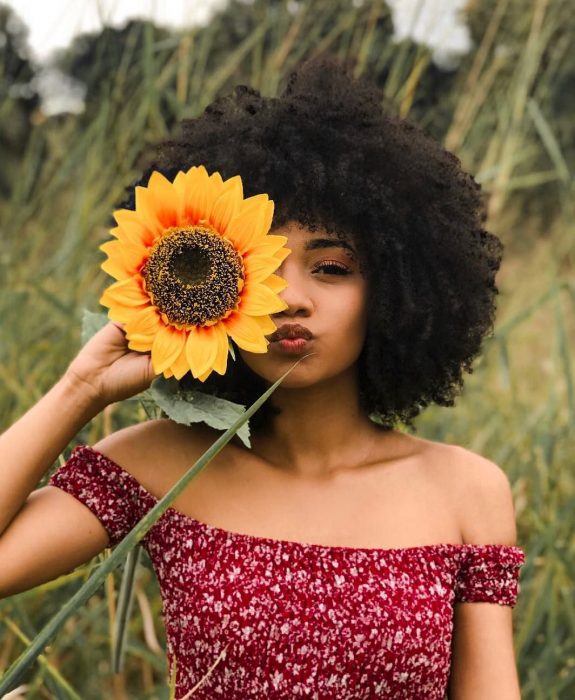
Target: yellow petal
139	342
282	254
259	267
201	349
226	205
197	169
124	259
180	366
180	183
265	323
269	245
258	300
132	229
221	360
127	292
166	198
251	223
158	204
217	180
145	321
198	197
116	269
123	314
234	182
275	283
166	348
246	332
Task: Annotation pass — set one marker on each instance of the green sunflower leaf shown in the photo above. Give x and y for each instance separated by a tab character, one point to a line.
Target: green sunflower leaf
92	323
186	406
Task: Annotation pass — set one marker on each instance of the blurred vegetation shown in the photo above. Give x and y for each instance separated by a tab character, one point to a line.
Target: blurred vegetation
506	111
18	95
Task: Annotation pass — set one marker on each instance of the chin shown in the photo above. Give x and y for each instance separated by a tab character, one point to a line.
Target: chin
311	370
270	366
301	377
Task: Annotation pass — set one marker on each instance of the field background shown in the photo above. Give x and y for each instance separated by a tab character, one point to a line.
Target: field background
506	110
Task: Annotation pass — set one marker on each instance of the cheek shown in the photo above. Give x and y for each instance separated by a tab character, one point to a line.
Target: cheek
352	316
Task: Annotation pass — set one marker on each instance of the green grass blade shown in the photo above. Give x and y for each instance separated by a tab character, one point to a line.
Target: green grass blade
549	141
565	357
124	606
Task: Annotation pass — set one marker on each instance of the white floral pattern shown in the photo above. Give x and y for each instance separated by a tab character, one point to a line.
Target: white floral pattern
290	619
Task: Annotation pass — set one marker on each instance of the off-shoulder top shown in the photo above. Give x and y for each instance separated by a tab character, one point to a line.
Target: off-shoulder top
285	619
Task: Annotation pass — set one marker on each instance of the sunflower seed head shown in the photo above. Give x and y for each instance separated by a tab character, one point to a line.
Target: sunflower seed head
194	276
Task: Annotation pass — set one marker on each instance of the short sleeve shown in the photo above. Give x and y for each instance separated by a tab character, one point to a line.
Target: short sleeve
112	494
489	574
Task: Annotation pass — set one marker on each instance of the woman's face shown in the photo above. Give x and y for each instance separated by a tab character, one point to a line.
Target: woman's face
327	296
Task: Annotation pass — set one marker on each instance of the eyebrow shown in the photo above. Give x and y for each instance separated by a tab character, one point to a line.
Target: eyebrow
317	243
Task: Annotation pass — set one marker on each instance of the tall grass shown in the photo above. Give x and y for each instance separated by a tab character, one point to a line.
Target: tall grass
517	408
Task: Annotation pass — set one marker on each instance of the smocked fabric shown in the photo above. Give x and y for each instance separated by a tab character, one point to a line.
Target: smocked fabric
281	619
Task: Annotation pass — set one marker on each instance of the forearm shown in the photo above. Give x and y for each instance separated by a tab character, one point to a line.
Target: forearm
33	443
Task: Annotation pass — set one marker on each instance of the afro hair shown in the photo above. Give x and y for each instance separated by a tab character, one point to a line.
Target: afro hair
330	155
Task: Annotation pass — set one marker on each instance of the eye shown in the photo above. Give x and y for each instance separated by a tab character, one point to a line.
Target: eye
332	267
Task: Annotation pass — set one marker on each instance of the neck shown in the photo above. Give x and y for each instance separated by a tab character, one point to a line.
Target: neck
320	430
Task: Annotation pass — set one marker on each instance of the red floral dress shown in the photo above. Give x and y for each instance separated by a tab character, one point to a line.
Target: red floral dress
285	619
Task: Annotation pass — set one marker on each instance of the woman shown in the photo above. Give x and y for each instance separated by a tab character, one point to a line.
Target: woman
339	557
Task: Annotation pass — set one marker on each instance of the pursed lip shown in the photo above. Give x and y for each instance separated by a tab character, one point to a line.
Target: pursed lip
291	331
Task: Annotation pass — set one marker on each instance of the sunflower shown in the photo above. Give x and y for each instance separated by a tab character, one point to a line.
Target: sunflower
194	265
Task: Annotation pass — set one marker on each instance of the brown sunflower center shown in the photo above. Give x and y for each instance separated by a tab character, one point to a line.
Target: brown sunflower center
194	276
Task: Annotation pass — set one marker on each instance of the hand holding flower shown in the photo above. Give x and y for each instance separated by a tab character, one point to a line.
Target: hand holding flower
108	370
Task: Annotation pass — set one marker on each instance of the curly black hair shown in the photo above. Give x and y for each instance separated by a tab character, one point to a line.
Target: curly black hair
329	155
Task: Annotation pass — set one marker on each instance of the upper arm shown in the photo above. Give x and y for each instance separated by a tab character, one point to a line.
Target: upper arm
54	531
51	535
483	661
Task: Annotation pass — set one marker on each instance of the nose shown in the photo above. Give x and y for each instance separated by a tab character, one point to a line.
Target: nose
297	294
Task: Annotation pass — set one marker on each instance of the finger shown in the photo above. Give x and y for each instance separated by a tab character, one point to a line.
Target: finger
145	361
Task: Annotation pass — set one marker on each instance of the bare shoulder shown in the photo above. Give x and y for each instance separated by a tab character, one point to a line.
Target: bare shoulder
156	452
481	495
